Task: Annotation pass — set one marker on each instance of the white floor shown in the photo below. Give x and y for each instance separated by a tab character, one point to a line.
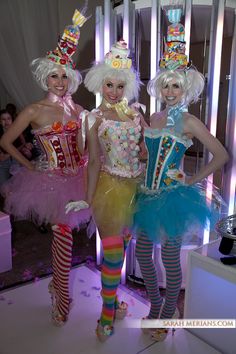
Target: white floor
25	326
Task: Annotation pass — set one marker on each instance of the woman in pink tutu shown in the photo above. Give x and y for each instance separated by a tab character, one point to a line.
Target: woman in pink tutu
39	191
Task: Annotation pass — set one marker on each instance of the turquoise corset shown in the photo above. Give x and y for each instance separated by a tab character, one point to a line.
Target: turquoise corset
166	148
165	151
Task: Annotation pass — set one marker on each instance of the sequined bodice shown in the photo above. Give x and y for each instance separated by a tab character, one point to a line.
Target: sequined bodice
165	149
58	143
119	144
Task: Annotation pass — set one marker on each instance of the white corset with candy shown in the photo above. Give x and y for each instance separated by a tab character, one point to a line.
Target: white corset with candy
119	143
58	143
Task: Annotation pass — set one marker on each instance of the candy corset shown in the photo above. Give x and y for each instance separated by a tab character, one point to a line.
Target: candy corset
58	143
119	143
165	151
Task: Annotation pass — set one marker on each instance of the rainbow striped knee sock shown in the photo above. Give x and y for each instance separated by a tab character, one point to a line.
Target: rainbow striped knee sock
113	251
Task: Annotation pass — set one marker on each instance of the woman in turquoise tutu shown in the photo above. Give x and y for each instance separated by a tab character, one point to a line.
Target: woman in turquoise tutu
169	205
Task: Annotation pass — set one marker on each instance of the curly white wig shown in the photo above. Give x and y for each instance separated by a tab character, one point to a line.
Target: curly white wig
43	67
190	81
100	72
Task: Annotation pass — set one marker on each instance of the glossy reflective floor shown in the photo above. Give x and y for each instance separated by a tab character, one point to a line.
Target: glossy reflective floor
25	326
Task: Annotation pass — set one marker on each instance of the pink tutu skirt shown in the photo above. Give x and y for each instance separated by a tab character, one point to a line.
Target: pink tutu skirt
42	197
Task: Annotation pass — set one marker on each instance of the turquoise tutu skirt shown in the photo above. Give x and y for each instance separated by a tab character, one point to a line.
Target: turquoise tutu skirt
174	213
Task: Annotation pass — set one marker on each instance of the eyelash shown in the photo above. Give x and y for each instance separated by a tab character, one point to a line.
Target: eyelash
55	76
174	86
119	87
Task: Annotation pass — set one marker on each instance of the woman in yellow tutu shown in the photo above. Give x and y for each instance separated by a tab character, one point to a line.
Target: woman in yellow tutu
114	169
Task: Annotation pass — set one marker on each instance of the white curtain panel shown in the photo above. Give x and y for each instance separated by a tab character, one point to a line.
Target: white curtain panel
28	28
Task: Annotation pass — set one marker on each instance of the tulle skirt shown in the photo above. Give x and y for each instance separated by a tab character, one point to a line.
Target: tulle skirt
113	203
175	213
42	196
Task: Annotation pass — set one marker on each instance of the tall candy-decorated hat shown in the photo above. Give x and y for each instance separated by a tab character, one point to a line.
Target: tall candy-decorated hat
67	43
174	57
118	58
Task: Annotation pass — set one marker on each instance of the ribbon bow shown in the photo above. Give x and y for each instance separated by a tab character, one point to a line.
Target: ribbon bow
174	114
122	109
66	102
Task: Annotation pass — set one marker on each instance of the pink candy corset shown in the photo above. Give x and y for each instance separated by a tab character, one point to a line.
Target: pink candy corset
58	143
119	143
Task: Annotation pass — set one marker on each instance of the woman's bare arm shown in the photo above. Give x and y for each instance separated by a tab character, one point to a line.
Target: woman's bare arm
143	151
220	156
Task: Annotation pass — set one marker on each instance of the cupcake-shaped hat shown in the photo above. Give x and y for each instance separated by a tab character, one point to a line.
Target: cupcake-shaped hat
67	43
117	58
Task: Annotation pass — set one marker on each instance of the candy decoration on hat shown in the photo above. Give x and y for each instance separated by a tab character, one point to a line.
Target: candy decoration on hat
174	56
68	42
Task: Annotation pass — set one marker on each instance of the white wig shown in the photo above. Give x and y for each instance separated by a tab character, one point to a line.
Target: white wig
43	67
100	72
190	81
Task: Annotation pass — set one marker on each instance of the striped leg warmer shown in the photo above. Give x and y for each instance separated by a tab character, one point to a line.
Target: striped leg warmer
144	248
61	264
171	259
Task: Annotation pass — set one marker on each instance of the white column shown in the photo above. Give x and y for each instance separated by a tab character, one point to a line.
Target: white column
104	33
155	48
126	21
129	24
229	178
99	42
187	25
107	26
129	37
214	65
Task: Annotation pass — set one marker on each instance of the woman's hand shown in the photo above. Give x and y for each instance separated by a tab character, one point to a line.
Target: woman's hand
40	165
189	180
177	175
76	206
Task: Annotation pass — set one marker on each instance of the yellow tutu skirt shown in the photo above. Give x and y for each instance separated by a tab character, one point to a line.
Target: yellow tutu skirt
113	204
